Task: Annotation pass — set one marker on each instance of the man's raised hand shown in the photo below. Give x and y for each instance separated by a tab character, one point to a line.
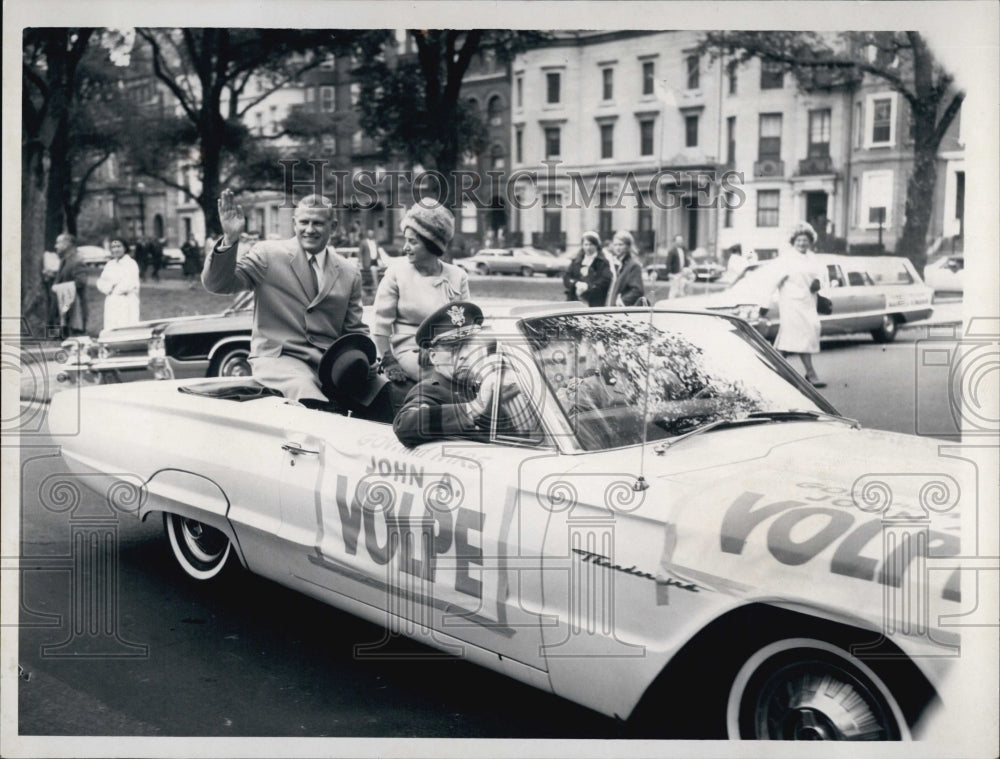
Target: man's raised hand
231	217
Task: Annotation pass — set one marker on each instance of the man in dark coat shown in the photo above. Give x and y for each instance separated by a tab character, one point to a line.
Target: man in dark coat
677	262
156	257
455	399
72	269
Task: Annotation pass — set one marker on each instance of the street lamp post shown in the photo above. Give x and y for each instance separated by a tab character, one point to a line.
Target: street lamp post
140	187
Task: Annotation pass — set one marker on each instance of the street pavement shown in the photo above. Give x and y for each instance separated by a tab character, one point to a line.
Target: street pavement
39	365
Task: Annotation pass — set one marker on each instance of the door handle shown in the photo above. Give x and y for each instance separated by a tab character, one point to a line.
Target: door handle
295	449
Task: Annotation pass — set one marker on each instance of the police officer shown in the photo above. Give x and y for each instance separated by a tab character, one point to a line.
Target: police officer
455	398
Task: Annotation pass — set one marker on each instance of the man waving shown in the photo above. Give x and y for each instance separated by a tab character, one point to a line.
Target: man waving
305	296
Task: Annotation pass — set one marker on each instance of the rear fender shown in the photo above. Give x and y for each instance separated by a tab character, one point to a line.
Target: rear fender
193	496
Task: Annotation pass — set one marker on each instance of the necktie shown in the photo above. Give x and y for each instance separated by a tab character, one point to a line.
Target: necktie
313	276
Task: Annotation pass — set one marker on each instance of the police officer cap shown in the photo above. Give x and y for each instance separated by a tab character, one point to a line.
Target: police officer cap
451	322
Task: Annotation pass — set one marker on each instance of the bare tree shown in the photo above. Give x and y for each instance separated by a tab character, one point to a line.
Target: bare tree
903	61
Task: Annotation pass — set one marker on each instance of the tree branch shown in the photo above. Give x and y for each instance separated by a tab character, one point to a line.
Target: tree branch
946	118
164	77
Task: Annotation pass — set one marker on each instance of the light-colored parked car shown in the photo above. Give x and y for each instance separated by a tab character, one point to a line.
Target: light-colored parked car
523	261
93	255
946	274
870	294
663	523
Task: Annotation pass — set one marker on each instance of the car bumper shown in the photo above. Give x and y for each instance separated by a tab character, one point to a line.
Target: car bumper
170	368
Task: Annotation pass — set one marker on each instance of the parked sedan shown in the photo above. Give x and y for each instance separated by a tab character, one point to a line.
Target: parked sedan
946	274
185	346
704	269
523	261
870	294
659	519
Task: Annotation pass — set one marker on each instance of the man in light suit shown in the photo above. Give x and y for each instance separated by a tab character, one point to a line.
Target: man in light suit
306	296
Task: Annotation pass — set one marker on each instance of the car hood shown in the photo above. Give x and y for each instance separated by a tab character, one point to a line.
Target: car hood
819	515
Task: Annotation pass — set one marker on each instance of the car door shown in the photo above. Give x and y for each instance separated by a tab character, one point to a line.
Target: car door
422	537
837	290
867	301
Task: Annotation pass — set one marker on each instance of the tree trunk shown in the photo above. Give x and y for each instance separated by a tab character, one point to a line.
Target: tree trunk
34	302
211	160
57	191
919	208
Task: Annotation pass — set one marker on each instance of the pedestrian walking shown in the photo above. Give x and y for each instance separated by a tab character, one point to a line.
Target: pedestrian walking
192	261
798	278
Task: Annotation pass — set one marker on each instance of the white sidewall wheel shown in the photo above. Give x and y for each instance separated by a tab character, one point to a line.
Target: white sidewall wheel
830	691
202	552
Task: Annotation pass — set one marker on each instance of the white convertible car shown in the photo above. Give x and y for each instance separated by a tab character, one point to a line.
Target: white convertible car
666	521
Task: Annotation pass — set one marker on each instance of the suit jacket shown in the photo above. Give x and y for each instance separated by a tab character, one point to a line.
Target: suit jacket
286	321
677	259
628	283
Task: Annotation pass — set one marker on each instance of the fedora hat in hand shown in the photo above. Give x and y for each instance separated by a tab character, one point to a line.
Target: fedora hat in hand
345	369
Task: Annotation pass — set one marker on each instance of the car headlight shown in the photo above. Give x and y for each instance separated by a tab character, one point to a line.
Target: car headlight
157	347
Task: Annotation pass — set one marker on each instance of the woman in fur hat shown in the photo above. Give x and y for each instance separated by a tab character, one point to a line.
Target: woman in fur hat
413	288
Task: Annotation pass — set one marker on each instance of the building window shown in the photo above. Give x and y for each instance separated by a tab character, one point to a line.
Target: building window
644	222
258	118
494	110
273	119
819	133
604	223
551	215
552	147
693	72
731	72
607	140
607	83
519	145
355	94
552	87
881	121
519	91
771	76
329	63
497	157
769	146
876	199
327	99
646	137
731	140
691	131
275	218
767	208
356	142
648	72
858	125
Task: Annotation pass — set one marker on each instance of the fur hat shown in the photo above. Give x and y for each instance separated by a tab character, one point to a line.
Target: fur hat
434	223
803	228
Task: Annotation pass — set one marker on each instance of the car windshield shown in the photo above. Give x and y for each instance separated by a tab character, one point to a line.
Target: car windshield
624	377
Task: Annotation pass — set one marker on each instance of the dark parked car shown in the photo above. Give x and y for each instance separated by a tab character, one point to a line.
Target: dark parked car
186	346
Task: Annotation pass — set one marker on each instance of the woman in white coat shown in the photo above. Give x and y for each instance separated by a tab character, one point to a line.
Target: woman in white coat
798	277
119	282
